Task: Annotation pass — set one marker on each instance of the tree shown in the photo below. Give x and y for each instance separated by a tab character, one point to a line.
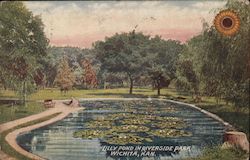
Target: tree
221	63
22	46
187	77
39	78
89	75
238	66
65	77
123	53
75	56
189	67
162	56
227	59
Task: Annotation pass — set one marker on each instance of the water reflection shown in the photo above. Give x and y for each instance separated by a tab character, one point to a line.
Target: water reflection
56	141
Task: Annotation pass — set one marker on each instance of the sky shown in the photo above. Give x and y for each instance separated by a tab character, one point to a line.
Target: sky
80	23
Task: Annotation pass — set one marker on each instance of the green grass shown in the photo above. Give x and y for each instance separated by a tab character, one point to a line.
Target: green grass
8	149
12	112
217	153
7	94
94	93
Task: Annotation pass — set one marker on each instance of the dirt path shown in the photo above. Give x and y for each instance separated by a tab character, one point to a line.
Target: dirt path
11	137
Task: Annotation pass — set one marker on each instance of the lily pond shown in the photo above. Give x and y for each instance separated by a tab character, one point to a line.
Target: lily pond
126	129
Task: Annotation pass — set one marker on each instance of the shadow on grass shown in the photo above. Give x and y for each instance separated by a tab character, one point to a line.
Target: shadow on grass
143	90
10	102
123	95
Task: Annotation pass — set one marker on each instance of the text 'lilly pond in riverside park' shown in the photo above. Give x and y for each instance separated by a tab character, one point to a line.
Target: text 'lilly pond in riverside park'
136	129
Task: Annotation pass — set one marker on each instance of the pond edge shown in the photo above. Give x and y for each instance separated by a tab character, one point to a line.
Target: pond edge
12	136
16	133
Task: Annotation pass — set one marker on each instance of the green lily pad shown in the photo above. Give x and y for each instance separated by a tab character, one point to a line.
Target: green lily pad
90	134
99	124
169	124
117	116
123	139
135	121
164	133
156	110
138	123
129	128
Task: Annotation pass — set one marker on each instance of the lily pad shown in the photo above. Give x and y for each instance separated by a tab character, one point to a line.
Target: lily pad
90	134
156	110
99	124
169	124
129	128
164	133
123	139
116	116
136	121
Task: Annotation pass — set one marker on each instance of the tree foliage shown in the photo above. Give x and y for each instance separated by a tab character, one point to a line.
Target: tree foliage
89	75
161	61
219	65
22	45
122	53
65	77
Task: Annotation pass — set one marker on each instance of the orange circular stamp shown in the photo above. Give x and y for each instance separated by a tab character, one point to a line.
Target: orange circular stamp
227	22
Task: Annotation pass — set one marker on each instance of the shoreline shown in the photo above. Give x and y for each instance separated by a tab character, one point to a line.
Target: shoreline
60	107
66	110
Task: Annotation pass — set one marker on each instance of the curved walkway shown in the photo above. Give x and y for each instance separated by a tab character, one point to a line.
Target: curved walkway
60	107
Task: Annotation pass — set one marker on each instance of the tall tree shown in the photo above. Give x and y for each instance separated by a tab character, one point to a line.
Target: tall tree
75	56
22	46
65	77
162	58
89	75
222	62
122	53
227	59
189	67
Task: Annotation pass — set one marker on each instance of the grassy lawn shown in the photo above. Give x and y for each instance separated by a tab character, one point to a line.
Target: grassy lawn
216	153
94	93
11	112
227	112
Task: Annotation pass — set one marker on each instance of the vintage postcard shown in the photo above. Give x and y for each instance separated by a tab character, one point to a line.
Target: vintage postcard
124	80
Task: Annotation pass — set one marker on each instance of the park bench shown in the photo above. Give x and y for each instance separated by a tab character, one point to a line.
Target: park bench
48	103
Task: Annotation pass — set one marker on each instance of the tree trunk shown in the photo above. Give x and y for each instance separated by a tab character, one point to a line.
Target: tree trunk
217	100
104	85
158	88
159	91
153	86
131	86
24	93
4	86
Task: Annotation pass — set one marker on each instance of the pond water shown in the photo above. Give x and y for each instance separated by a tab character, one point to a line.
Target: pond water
137	129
